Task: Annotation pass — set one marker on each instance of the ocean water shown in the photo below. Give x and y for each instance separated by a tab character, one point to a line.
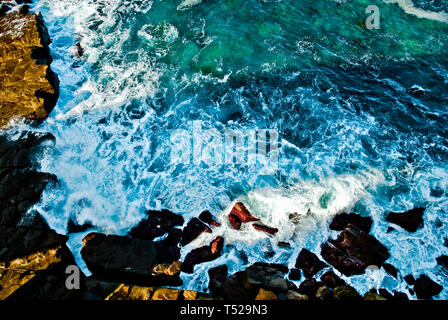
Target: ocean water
361	117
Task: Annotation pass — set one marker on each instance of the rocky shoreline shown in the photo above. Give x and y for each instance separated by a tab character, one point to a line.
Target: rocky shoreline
145	264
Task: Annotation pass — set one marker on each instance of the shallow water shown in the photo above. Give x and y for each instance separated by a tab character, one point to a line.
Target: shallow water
361	117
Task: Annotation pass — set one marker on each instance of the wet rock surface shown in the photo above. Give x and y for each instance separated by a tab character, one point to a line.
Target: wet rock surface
411	220
203	254
192	230
342	220
309	263
33	258
353	251
156	224
122	258
29	89
426	288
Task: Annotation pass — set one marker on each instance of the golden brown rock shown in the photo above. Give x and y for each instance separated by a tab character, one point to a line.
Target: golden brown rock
190	295
28	87
167	269
125	292
166	294
265	295
16	273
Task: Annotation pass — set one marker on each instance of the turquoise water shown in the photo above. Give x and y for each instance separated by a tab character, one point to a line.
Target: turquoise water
361	116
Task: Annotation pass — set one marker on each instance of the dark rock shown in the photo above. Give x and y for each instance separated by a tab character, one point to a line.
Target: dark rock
78	50
343	293
235	287
309	287
385	294
353	251
409	279
157	224
265	228
217	277
342	220
244	285
73	227
295	274
426	288
309	263
294	217
168	249
235	222
283	244
400	296
120	258
390	269
208	218
269	267
203	254
331	280
443	261
193	229
410	220
323	293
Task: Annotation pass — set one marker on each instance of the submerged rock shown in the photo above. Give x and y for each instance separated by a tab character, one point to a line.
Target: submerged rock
411	220
156	225
426	288
309	263
193	229
203	254
29	86
265	228
353	251
342	220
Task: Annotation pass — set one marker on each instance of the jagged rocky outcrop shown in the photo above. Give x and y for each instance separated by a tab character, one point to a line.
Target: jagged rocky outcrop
309	263
353	251
411	220
33	258
122	258
28	86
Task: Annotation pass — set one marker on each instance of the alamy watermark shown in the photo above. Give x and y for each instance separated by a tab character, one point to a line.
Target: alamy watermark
373	20
228	147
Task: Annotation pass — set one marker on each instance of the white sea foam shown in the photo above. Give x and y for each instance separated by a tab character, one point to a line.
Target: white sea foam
187	4
409	7
113	164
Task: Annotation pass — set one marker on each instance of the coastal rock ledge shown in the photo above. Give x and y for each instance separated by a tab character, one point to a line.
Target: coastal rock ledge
28	87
